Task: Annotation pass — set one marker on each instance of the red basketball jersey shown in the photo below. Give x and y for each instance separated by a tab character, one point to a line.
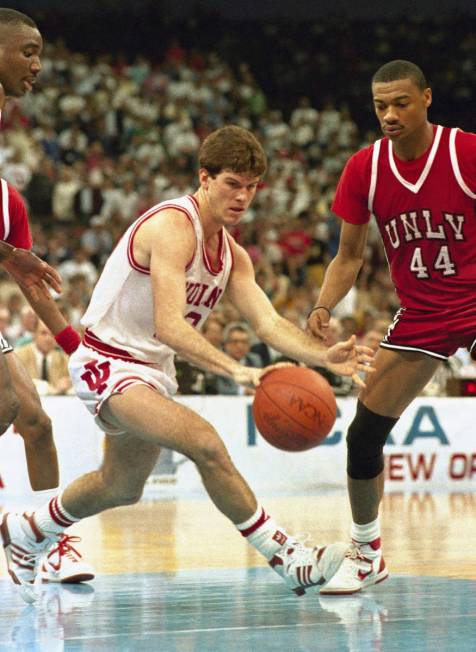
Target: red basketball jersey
14	226
425	210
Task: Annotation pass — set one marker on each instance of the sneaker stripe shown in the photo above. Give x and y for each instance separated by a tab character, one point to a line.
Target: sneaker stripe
18	564
19	550
33	526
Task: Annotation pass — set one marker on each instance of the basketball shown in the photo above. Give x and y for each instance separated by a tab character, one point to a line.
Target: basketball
294	408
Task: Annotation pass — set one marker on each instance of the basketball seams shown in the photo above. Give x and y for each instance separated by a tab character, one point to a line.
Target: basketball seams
263	388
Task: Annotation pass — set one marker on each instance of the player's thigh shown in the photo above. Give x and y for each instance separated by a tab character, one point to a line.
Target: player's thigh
145	413
128	461
30	404
399	377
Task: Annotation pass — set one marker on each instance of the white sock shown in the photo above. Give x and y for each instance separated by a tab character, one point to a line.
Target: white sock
38	498
53	518
368	533
263	533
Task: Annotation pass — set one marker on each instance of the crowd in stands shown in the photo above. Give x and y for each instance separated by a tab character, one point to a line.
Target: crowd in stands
103	138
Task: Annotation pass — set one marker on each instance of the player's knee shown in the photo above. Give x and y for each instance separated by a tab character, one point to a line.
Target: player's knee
210	452
9	409
126	495
121	489
366	438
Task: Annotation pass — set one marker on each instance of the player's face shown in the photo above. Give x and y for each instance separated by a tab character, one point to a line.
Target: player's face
20	50
228	194
401	108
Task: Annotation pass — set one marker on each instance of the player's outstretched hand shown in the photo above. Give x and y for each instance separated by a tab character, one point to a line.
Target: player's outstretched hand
251	376
31	272
348	359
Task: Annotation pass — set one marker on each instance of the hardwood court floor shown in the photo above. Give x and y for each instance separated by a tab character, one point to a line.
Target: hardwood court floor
173	575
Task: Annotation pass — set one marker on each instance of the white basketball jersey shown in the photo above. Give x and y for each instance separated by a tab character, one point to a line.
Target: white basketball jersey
119	320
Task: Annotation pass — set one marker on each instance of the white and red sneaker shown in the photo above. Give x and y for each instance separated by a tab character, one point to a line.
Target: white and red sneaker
23	545
303	568
64	564
363	566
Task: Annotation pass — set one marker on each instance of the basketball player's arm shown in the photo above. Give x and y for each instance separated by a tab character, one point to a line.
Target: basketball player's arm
29	271
170	239
345	358
340	275
47	310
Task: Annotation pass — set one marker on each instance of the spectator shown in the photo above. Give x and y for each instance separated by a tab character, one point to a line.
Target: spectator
46	363
237	344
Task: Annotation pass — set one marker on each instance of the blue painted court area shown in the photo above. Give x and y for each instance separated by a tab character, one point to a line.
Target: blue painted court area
238	610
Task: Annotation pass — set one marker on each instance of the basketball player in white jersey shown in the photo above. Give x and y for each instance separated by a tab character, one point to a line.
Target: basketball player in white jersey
20	49
167	273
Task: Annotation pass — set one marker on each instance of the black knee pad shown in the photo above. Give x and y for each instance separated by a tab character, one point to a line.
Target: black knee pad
366	438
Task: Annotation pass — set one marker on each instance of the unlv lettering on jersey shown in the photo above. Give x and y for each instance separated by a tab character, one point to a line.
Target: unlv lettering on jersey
418	225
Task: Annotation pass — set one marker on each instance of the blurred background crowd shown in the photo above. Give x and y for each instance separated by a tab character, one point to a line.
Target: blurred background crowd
110	131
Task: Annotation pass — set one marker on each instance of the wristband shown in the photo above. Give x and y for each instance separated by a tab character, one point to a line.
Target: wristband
68	339
318	308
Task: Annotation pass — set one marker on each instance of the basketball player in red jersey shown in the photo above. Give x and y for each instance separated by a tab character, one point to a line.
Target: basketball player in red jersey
419	183
20	49
158	287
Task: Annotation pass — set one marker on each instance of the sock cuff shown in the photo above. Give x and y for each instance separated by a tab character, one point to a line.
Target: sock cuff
58	513
367	532
253	523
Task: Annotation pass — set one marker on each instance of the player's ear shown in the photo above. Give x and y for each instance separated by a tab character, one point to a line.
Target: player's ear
428	97
204	178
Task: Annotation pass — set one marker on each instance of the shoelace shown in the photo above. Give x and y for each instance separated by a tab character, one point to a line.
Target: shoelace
65	549
355	553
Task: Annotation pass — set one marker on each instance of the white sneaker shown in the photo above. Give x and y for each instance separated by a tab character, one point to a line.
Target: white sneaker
23	551
64	564
302	567
361	567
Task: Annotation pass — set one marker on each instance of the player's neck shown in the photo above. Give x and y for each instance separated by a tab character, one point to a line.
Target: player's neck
416	144
210	226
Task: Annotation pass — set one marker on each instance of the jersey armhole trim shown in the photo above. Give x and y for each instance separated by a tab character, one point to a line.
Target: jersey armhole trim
5	209
455	165
373	175
153	211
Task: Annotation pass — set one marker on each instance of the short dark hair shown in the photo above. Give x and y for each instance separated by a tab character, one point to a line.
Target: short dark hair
12	17
401	69
232	148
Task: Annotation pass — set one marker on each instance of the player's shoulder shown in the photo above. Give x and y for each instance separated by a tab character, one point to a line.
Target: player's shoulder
465	142
15	200
362	158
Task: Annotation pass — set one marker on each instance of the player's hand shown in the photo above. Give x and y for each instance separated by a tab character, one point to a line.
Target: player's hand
252	376
31	272
348	359
318	323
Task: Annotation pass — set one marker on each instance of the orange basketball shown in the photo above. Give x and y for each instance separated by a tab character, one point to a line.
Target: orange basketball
294	408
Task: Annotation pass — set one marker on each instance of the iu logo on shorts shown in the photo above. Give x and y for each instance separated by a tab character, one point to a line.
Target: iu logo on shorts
96	375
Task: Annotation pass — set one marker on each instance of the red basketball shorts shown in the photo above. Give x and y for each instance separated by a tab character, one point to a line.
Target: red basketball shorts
438	334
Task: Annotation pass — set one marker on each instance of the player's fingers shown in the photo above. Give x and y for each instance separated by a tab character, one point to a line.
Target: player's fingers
278	365
358	380
364	358
365	349
53	283
367	368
